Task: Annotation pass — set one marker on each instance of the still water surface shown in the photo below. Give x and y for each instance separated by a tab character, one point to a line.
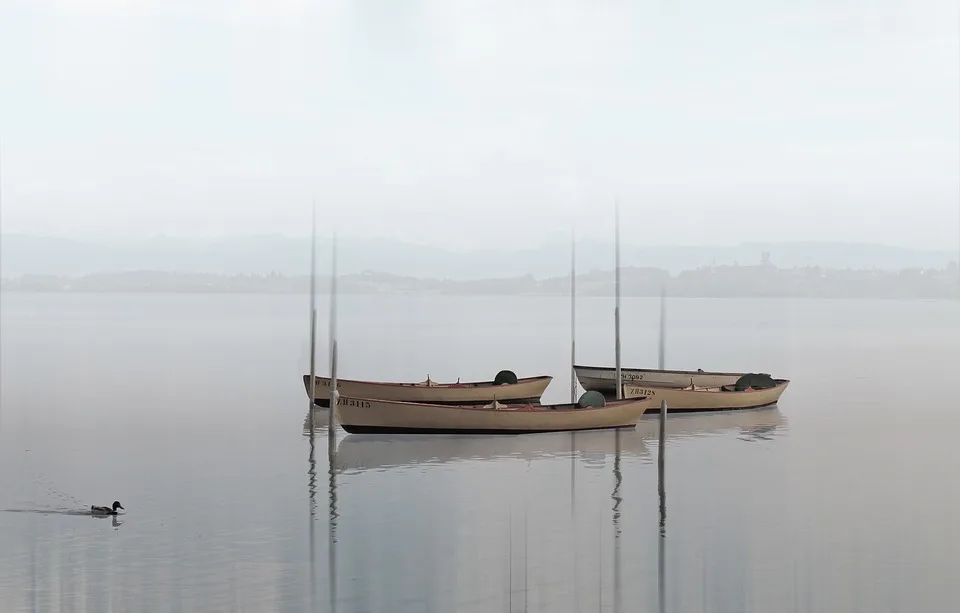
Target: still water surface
190	411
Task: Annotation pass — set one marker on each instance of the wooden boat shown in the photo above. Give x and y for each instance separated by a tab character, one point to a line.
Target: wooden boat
750	423
526	390
695	398
366	415
602	378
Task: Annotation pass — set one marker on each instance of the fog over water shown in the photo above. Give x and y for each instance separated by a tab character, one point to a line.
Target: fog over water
190	410
779	167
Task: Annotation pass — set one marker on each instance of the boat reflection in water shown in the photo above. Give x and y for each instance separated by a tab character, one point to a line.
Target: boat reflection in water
361	452
321	420
591	546
753	424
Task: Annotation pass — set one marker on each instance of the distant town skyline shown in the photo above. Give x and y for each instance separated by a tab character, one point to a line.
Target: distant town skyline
550	256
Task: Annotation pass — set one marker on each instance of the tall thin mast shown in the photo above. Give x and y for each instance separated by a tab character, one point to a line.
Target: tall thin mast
663	328
616	312
333	342
573	317
313	315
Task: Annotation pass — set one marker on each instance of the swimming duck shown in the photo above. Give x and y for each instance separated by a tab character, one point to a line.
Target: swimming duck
106	510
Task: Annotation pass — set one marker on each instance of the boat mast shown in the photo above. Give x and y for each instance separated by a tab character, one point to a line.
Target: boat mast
313	316
573	317
616	311
663	327
331	432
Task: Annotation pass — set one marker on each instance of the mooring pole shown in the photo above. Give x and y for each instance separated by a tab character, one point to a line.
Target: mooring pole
573	318
334	394
663	437
661	563
663	328
616	311
313	317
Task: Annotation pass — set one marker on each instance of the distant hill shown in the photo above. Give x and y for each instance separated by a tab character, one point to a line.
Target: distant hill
707	282
36	255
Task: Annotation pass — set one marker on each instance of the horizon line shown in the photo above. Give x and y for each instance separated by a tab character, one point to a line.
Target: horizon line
594	271
547	238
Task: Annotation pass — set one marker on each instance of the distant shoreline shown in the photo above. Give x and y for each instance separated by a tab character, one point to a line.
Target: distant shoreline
324	294
759	281
22	255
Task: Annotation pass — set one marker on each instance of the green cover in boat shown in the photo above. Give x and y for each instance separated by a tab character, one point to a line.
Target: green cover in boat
591	399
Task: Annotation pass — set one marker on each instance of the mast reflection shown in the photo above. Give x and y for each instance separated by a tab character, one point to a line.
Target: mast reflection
312	495
321	427
333	516
617	499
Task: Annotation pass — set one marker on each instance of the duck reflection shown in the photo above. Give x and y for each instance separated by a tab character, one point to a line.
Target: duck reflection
114	520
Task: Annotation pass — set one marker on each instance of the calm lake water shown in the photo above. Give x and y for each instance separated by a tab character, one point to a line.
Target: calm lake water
190	410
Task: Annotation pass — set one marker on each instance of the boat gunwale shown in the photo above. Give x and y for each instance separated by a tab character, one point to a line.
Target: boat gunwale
570	407
353	429
687	410
781	383
422	385
659	370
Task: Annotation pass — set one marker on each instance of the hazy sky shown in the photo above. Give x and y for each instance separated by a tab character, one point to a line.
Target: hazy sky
483	122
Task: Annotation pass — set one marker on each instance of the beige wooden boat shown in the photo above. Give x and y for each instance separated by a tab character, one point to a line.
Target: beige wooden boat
360	415
760	422
525	390
602	378
695	398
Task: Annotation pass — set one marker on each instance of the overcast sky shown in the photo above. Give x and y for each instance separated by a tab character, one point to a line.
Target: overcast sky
483	122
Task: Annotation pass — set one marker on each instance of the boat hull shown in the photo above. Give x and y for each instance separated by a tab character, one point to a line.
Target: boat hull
367	415
713	399
603	378
525	390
